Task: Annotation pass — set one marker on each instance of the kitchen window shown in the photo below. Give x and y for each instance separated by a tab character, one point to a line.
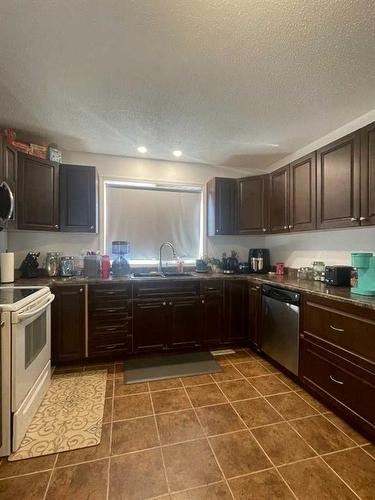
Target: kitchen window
147	214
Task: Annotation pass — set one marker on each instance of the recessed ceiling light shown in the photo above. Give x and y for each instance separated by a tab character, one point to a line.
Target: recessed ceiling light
177	153
142	149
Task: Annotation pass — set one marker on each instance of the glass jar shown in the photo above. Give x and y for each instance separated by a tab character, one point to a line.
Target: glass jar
318	270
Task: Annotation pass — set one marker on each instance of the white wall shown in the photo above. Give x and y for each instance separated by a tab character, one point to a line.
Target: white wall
332	247
131	169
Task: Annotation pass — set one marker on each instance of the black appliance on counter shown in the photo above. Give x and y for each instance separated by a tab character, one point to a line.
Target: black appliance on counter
29	266
259	260
243	268
338	275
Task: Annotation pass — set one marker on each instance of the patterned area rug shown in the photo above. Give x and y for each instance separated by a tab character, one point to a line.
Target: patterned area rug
69	417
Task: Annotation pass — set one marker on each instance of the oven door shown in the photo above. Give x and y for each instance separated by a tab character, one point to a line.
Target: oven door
31	347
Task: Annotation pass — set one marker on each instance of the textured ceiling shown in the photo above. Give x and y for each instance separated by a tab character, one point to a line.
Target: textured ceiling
224	81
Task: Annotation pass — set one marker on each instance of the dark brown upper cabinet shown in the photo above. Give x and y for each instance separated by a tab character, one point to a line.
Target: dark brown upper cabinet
302	194
338	183
221	206
78	198
37	194
368	175
279	200
253	204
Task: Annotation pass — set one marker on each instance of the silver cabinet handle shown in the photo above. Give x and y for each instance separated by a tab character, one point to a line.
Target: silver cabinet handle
81	290
354	219
264	230
164	303
56	226
202	301
171	303
336	381
2	324
217	230
285	227
336	329
91	227
363	218
290	227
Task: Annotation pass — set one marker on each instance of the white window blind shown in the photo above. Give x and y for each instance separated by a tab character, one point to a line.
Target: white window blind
146	217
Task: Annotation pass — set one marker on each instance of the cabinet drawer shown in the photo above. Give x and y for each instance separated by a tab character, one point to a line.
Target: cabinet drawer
118	346
347	385
105	311
168	288
98	293
211	286
105	328
348	327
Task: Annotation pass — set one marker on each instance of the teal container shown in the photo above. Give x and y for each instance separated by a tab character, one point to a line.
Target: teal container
361	260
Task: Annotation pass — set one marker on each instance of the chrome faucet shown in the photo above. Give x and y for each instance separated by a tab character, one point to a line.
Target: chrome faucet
166	243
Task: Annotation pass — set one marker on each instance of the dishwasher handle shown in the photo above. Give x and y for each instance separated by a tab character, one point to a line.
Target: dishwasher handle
281	295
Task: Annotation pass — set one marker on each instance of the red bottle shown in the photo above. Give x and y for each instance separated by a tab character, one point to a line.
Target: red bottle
106	266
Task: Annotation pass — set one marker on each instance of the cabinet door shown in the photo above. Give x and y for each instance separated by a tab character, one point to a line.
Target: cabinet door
338	183
211	319
184	322
368	175
255	306
221	206
150	325
235	311
68	324
279	200
37	194
8	170
78	198
302	196
252	205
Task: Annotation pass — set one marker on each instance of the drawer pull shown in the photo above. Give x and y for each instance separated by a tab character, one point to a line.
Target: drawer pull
336	329
211	288
336	381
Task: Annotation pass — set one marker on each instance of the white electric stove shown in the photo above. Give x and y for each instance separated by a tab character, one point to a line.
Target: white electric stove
25	359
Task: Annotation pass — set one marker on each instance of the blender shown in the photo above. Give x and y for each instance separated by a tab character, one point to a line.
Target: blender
120	265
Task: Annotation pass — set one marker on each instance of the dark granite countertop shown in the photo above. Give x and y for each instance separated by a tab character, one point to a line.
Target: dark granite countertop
342	294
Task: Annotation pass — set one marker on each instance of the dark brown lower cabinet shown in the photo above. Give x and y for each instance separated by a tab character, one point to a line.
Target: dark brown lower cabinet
235	311
211	319
184	323
68	324
255	306
166	323
110	328
346	386
337	358
150	322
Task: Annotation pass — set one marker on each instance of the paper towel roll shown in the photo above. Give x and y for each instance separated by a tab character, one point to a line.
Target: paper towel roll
7	267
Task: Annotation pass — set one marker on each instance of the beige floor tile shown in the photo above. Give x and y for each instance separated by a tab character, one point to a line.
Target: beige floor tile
323	436
217	491
138	405
219	419
357	469
137	476
88	480
238	454
190	464
171	400
31	487
122	389
27	466
170	383
282	444
134	435
256	412
229	373
252	369
269	384
346	428
203	395
290	405
196	380
312	479
236	390
179	426
266	485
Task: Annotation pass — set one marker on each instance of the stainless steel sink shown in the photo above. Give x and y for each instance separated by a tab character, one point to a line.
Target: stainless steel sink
167	274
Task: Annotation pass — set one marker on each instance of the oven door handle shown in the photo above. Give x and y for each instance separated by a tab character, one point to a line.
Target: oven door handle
28	314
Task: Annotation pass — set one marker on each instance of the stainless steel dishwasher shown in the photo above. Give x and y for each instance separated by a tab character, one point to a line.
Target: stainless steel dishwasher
280	326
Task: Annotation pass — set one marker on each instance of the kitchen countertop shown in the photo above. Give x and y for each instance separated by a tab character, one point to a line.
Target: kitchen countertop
342	294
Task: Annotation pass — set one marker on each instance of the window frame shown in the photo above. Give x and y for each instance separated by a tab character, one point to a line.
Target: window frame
105	180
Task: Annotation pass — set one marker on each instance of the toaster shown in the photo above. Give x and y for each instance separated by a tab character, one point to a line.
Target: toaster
338	275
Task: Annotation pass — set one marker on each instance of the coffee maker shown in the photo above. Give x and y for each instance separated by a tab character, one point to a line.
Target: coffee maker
259	260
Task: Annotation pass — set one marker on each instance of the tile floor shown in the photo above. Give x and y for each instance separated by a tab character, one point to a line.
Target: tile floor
247	433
